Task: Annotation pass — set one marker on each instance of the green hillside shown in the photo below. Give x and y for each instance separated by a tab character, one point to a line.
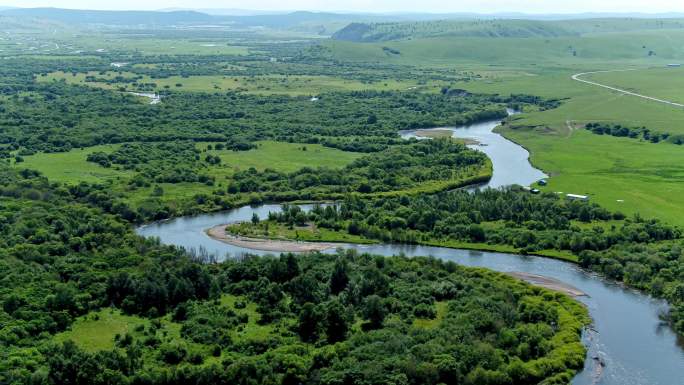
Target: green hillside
595	51
378	32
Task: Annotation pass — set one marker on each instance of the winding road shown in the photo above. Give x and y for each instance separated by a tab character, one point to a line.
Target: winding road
578	78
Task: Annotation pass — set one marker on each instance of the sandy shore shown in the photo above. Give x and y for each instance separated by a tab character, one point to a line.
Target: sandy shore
549	283
219	233
282	246
434	133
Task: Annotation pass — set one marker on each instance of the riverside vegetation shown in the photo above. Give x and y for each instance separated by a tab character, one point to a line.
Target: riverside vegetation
316	318
646	254
279	117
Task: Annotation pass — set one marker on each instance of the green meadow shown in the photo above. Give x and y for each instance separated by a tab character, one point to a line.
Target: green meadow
71	167
97	330
604	50
294	85
627	175
286	157
661	82
148	45
646	176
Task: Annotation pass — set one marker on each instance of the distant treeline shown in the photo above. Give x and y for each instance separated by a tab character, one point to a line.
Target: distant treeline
50	117
509	217
644	133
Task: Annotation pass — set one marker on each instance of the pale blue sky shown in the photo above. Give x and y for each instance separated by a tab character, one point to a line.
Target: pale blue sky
484	6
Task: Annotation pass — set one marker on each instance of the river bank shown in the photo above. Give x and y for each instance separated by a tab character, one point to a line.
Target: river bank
219	233
649	356
548	283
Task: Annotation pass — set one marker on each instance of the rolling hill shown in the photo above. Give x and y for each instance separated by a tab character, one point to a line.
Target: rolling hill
513	28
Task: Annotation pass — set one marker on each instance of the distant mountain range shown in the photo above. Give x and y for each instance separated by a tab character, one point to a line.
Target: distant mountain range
73	16
242	17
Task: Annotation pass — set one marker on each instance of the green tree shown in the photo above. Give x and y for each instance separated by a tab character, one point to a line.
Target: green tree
309	323
339	279
374	311
336	322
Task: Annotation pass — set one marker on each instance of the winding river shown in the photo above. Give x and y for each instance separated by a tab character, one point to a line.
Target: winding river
510	161
627	342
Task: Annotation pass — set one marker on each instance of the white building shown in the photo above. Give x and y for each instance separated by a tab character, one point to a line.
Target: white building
575	197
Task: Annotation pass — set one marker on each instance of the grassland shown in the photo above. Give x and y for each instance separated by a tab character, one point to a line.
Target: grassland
147	46
646	176
442	308
300	85
605	51
96	331
662	83
622	174
286	157
71	167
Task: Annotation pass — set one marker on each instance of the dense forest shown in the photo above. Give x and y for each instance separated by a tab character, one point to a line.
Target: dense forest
646	254
52	119
327	318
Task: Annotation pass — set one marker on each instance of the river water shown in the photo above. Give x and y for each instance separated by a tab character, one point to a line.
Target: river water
627	334
509	160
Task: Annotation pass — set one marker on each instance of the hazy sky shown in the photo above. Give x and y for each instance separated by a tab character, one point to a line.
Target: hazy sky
485	6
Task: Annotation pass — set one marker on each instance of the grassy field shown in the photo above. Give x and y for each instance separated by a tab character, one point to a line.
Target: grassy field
286	157
166	47
442	307
96	330
646	176
71	167
102	41
590	50
618	173
662	83
263	85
